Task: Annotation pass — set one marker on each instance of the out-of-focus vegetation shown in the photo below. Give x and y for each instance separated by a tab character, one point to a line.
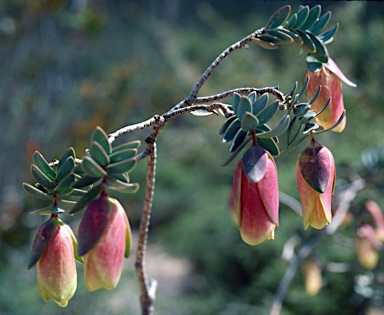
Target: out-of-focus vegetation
68	66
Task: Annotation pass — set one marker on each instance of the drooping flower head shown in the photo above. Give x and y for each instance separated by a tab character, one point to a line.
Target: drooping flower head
104	241
316	177
53	251
255	196
329	77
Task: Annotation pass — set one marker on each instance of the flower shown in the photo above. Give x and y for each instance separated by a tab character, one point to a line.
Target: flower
256	203
367	245
378	218
53	251
104	241
316	177
329	77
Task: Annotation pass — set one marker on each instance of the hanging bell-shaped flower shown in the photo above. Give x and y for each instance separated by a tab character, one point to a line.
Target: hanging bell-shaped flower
104	240
316	176
255	196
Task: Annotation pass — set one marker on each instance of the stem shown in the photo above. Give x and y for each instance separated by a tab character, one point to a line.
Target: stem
346	198
238	45
148	288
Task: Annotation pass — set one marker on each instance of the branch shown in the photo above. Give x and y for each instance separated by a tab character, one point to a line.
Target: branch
344	202
147	288
238	45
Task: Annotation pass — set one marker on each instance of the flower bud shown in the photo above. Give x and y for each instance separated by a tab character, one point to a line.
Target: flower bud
256	203
367	245
378	218
53	251
104	241
312	276
316	176
329	77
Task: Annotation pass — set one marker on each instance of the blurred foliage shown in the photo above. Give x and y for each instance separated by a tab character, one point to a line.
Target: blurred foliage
69	66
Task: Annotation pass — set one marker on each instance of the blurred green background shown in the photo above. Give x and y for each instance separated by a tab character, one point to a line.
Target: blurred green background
69	66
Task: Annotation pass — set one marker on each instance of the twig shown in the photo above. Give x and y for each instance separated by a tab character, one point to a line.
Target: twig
148	288
238	45
346	198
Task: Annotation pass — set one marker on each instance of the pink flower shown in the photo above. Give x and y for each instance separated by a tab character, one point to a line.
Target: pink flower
378	218
367	245
53	251
316	176
329	77
104	241
256	203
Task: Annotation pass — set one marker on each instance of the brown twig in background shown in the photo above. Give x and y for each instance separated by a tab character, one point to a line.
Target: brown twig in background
345	199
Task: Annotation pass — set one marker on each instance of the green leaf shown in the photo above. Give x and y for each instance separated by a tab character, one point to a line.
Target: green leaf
270	145
280	35
92	169
314	66
66	205
123	155
292	34
249	122
299	110
270	111
233	128
65	186
87	198
310	127
236	152
279	17
43	165
99	154
243	106
280	128
101	137
321	53
122	166
321	23
66	168
292	21
302	16
260	104
307	45
293	91
85	181
123	188
314	97
226	124
307	117
37	193
70	152
41	178
236	99
238	140
265	44
312	17
252	97
129	145
303	89
122	177
327	36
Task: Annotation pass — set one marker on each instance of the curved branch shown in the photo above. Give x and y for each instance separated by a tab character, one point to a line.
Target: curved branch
238	45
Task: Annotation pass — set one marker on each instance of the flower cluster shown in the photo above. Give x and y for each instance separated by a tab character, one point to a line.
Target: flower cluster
103	241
